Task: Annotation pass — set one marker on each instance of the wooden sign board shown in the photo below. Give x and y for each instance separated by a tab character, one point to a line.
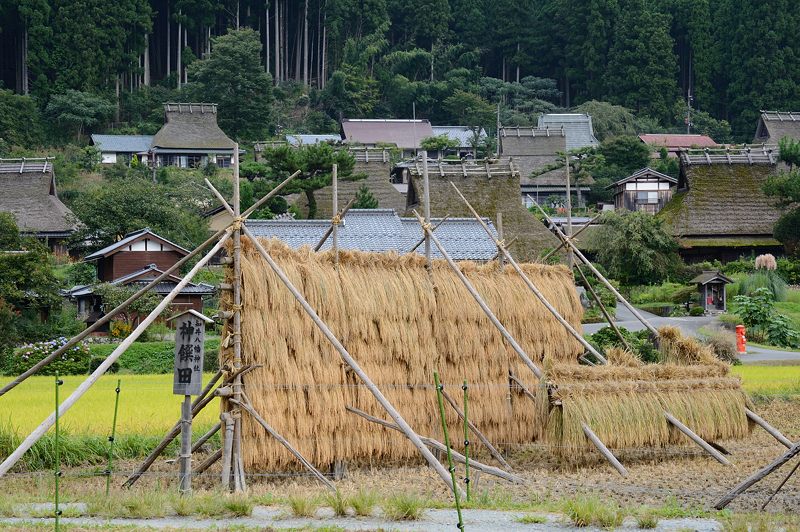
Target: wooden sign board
190	328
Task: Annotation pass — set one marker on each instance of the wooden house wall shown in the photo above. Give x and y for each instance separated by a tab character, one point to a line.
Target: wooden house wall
126	262
625	196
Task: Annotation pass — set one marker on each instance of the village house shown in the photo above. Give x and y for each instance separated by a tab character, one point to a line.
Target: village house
719	210
674	143
122	148
644	190
29	194
465	139
382	230
774	125
134	261
403	134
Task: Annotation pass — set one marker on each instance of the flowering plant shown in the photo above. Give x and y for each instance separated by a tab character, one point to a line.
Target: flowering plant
73	361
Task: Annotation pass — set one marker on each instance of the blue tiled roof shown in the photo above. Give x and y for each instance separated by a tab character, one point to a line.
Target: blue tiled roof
123	143
381	230
577	127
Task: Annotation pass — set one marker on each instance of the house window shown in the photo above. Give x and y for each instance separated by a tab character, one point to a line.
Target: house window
649	198
224	161
194	161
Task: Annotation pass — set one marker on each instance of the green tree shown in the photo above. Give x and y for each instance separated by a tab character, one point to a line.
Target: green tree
609	120
438	143
233	77
27	280
20	120
365	199
635	248
114	295
642	68
471	110
78	111
785	187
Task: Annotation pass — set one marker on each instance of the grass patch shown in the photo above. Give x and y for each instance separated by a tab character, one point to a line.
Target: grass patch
531	519
769	381
646	520
588	510
302	506
338	503
404	507
364	502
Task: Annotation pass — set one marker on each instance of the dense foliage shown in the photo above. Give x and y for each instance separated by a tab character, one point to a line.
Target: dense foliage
763	322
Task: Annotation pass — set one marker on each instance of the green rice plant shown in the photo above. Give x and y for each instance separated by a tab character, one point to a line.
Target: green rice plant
338	503
587	510
404	507
364	502
302	506
531	519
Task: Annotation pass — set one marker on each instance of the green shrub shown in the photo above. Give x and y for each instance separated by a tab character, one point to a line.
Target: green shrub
155	357
768	279
763	322
338	503
790	270
696	311
729	321
302	506
74	361
663	293
639	341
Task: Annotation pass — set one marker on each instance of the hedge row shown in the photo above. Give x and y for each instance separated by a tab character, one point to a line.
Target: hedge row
154	357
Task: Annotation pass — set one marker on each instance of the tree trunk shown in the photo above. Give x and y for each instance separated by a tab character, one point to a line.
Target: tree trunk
147	60
25	82
169	44
116	112
517	61
277	38
178	69
305	45
266	37
298	50
312	204
324	75
185	44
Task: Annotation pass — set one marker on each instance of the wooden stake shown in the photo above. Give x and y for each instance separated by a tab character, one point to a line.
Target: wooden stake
600	276
430	442
211	460
39	431
604	450
574	236
697	439
407	430
575	334
484	440
272	432
426	205
227	449
758	476
205	437
786	479
501	237
471	289
603	309
329	231
422	240
186	446
238	468
335	221
775	433
496	256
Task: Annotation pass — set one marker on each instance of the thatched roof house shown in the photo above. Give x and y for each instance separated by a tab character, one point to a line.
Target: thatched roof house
405	134
774	125
720	209
380	230
491	188
29	193
191	136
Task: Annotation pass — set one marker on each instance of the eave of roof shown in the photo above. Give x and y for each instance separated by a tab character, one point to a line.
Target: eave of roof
130	238
644	172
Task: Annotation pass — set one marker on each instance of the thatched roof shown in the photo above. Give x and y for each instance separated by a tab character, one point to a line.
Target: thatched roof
381	230
192	126
774	125
29	193
405	134
721	200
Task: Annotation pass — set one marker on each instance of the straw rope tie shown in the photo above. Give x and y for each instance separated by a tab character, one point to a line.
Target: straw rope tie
337	219
501	243
236	225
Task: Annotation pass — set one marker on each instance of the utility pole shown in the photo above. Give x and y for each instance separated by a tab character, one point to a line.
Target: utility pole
497	133
570	259
689	100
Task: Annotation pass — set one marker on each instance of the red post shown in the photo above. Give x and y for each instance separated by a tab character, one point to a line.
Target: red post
741	340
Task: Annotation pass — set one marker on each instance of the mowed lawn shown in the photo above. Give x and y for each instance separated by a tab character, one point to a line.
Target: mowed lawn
146	405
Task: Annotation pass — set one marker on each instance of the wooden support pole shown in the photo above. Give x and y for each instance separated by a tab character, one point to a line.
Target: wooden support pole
606	315
236	459
185	486
697	439
500	237
349	360
205	437
775	433
39	431
484	440
597	274
426	205
422	240
272	432
519	383
430	442
471	289
336	220
211	460
784	481
510	243
227	449
574	236
532	287
757	476
329	231
608	455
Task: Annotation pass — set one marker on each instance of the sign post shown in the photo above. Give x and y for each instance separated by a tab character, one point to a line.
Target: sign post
187	381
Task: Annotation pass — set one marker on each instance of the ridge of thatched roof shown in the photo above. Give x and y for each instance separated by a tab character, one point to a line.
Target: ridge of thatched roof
774	125
29	193
721	200
191	126
748	154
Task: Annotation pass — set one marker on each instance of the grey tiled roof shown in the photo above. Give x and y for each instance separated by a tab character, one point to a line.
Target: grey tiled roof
381	230
305	140
578	128
123	143
133	279
462	134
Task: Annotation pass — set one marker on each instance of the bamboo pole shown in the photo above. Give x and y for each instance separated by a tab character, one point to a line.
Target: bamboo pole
211	460
784	481
757	476
185	486
430	442
422	240
524	389
597	273
39	431
348	359
484	440
449	450
697	439
510	243
775	433
272	432
329	231
501	237
335	221
608	455
603	309
532	287
205	437
238	468
426	204
574	236
471	289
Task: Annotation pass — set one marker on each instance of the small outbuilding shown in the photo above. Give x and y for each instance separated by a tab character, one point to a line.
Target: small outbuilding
711	285
644	190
